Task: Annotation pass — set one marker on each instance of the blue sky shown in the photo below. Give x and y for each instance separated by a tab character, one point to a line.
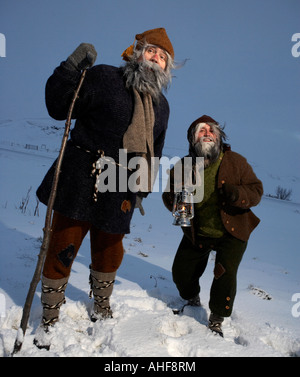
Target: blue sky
240	69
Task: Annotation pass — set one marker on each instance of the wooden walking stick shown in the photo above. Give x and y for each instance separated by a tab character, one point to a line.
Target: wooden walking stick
47	228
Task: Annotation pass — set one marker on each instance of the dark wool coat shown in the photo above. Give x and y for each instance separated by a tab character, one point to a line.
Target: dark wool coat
238	219
103	113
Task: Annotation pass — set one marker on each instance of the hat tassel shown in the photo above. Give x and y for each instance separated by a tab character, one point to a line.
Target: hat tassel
128	52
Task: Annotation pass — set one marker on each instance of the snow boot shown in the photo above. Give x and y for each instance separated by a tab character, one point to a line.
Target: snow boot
52	298
42	338
215	324
194	301
102	284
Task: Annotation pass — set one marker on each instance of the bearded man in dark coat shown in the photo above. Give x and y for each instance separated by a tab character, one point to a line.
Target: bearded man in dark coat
118	108
223	220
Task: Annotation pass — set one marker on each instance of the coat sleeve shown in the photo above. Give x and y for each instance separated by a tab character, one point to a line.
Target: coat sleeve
164	112
168	194
59	92
173	184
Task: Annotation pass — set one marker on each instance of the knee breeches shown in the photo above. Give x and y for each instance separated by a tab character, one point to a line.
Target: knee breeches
66	238
191	260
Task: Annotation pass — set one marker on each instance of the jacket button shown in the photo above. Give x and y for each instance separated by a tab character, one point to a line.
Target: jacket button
243	201
200	246
232	229
227	222
227	307
227	298
222	181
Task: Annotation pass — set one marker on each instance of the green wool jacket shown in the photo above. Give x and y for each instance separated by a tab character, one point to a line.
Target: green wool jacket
237	217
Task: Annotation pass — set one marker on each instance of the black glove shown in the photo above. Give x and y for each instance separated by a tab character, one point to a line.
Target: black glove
230	193
138	204
83	57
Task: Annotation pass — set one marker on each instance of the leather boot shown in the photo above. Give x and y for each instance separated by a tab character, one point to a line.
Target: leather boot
194	301
215	324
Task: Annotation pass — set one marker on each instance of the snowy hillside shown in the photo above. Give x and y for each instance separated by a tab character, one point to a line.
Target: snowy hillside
266	316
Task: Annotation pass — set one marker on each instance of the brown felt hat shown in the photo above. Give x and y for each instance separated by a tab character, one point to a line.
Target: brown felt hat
157	37
202	119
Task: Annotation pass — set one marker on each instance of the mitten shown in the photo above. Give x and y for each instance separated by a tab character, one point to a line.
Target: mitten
230	193
83	57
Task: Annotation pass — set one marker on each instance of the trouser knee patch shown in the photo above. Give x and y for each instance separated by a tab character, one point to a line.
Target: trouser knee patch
67	255
219	270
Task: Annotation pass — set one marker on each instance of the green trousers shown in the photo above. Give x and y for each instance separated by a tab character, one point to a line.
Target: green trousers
190	263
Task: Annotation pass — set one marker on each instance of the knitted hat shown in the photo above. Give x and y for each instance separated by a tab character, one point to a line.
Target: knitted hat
157	37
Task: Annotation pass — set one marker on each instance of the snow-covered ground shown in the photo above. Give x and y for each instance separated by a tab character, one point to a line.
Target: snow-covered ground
266	316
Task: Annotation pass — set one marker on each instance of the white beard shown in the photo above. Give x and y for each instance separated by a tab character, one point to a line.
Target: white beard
206	146
146	77
210	150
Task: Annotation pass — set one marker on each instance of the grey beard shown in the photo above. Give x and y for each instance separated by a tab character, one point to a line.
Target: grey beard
146	77
210	152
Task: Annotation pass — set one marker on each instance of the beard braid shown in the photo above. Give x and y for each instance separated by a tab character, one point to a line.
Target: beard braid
209	150
146	77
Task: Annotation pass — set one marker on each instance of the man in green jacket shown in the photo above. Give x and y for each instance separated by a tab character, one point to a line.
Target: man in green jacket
223	220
